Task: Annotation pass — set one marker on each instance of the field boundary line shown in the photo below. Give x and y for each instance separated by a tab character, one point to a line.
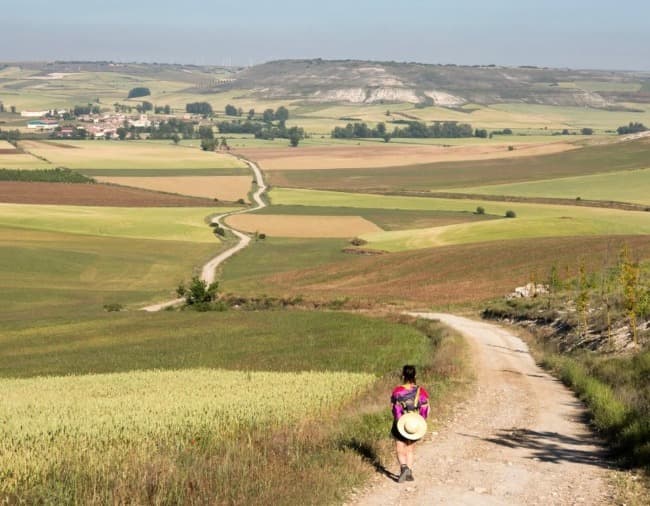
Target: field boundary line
209	269
604	204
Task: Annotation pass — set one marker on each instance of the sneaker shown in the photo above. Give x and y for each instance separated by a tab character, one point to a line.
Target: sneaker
409	475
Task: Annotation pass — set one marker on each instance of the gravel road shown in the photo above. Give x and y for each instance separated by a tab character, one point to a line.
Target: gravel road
519	439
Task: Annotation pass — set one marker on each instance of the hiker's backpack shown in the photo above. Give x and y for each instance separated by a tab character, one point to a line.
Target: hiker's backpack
411	402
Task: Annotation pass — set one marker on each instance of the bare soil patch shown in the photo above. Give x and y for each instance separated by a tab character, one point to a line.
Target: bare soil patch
229	188
15	192
381	155
302	226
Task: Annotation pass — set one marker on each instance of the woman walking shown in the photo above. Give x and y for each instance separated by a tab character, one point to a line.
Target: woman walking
410	409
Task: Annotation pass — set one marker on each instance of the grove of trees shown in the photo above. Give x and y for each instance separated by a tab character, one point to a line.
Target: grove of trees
203	108
171	128
413	129
631	128
144	107
80	110
139	91
231	110
272	125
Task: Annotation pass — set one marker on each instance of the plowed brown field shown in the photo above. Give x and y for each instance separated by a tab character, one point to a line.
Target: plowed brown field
230	188
302	226
92	195
382	155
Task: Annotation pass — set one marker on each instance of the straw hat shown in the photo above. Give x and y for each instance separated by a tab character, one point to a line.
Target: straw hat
412	426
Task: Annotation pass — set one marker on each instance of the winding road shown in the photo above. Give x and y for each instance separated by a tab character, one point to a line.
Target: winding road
208	271
520	438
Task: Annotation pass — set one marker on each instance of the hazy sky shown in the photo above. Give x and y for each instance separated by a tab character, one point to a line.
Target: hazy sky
559	33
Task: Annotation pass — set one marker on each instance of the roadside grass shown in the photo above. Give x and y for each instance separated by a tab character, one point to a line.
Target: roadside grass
441	277
163	223
615	390
46	275
233	436
388	219
127	154
607	158
625	186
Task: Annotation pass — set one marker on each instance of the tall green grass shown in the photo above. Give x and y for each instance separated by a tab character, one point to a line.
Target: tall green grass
616	392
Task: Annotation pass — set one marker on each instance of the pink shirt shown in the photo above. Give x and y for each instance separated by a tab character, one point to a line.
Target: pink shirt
405	395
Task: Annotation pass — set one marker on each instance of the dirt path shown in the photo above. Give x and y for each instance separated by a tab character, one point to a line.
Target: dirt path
209	269
519	439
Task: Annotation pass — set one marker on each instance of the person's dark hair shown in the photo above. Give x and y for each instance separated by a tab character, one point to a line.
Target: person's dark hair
408	373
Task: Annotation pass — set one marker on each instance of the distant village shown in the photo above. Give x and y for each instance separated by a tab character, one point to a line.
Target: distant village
99	125
147	121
